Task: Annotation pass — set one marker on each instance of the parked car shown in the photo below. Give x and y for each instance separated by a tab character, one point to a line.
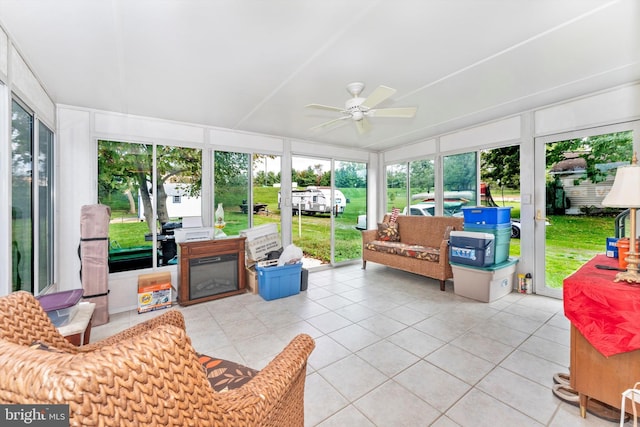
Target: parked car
420	209
515	228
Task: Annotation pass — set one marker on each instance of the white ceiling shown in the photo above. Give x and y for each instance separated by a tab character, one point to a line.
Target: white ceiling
253	65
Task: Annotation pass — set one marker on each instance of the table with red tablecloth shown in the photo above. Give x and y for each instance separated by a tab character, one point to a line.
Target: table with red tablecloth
606	313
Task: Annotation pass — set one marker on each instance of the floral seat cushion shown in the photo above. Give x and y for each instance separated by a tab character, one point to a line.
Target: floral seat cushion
403	249
225	375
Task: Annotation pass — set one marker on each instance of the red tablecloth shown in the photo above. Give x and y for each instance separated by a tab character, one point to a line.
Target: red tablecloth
605	312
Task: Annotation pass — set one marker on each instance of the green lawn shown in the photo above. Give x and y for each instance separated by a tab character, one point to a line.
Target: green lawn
571	240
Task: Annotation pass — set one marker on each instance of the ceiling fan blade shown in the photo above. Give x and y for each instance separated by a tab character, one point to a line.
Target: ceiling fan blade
402	112
331	123
377	96
324	107
363	125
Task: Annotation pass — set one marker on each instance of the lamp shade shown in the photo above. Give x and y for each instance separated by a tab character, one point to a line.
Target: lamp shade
625	192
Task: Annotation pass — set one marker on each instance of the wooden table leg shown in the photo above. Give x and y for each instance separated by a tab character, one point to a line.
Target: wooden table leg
584	400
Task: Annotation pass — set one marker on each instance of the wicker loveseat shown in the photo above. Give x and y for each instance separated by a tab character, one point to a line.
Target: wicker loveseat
422	248
147	375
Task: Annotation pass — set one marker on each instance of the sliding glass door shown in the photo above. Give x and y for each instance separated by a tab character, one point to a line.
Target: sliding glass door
577	171
31	202
350	202
327	198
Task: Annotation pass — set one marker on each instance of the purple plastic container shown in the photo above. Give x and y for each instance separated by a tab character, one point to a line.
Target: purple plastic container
60	300
60	305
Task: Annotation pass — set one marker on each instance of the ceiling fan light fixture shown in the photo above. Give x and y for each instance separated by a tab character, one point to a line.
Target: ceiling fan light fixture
358	109
355	88
357	115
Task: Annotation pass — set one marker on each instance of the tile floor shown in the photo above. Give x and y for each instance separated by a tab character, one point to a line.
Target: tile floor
393	350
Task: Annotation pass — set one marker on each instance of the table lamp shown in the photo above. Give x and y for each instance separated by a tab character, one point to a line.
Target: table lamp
625	193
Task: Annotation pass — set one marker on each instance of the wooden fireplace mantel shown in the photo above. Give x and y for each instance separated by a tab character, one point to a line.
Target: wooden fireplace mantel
207	248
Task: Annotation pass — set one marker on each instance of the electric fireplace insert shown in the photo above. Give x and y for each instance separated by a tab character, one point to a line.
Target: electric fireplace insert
210	269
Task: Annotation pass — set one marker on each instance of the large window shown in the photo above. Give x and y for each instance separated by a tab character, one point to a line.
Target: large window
231	190
411	187
45	206
460	181
266	189
351	202
144	211
31	202
421	188
21	198
397	190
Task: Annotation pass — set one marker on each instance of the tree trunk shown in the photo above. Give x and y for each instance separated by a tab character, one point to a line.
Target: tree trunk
146	200
132	203
161	203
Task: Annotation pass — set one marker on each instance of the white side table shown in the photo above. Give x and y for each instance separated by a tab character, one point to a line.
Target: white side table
78	330
632	394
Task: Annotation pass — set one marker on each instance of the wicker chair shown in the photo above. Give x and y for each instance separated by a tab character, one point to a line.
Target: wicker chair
146	375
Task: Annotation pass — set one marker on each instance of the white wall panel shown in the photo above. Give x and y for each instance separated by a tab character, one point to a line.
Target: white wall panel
411	152
29	88
246	141
134	127
123	288
315	149
479	136
4	53
76	186
615	106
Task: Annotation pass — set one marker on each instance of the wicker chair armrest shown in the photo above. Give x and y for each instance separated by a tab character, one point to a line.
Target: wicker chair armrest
150	379
444	252
171	317
23	321
153	378
369	236
277	390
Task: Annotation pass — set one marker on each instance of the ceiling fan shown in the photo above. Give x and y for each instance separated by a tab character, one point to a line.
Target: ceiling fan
358	109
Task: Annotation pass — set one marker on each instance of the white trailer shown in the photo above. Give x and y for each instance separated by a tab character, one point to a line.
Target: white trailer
314	200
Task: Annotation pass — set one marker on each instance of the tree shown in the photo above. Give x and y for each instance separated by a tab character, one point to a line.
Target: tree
501	166
262	176
421	176
127	167
596	151
460	172
351	175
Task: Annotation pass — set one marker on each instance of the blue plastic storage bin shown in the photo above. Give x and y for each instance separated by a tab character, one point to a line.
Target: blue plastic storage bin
487	215
471	248
279	282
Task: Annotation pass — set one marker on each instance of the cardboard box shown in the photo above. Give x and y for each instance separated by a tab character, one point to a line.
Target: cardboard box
260	241
484	284
251	280
154	291
612	247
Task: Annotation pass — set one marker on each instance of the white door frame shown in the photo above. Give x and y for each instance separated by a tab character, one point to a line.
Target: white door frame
540	193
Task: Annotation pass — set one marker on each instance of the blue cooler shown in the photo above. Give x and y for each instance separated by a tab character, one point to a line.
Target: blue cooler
471	248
